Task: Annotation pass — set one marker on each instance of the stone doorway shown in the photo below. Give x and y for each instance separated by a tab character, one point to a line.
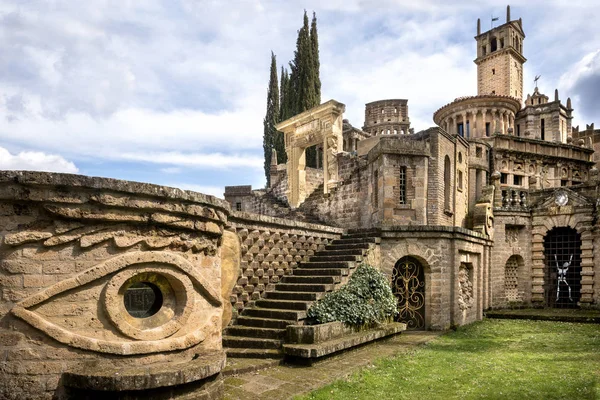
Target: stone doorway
408	285
562	269
322	127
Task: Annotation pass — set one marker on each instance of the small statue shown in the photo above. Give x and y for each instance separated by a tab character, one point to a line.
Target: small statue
562	276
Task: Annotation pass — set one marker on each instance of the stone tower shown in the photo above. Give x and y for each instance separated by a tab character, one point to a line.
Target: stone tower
500	59
387	117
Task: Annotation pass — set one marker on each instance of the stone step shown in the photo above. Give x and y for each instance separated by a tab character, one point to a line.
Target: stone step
258	322
255	332
250	343
283	304
350	246
362	234
341	252
272	313
303	287
253	353
360	240
320	271
311	279
335	258
306	296
326	264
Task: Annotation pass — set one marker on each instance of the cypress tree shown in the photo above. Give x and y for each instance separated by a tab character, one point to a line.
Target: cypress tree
300	89
271	117
314	41
278	142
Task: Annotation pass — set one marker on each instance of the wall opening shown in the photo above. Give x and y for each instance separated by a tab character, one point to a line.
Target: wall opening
143	299
408	285
562	275
543	129
402	185
447	183
512	283
494	44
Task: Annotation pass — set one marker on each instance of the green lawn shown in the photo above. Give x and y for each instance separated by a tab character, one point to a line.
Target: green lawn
492	359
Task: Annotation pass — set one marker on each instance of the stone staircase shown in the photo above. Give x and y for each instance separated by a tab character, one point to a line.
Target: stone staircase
259	331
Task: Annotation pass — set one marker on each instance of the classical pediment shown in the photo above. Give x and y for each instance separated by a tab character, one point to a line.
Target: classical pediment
563	197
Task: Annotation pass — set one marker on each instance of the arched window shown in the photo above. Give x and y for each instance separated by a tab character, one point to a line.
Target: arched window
447	183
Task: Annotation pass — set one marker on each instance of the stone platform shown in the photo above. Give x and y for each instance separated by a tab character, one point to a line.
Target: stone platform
548	314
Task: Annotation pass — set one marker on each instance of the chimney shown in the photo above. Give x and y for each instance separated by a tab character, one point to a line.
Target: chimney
478	26
508	13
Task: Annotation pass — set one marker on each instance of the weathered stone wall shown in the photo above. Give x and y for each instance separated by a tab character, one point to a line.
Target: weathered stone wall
349	204
456	264
271	248
512	238
71	246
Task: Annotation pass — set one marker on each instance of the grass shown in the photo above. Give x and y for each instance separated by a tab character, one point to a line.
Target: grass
491	359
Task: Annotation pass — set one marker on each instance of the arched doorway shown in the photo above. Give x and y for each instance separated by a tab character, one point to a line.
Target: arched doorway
562	275
408	280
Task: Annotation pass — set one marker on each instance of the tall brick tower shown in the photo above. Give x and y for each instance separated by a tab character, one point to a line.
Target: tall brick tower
500	59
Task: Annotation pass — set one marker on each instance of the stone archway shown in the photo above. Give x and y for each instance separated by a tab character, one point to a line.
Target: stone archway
582	223
321	125
562	275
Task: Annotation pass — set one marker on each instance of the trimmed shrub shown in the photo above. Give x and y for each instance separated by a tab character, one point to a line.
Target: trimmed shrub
366	300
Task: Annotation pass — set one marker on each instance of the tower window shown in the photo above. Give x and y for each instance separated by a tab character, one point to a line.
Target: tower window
478	152
503	178
460	181
460	130
519	130
468	130
447	182
238	206
494	44
376	189
402	199
488	127
501	43
543	129
493	71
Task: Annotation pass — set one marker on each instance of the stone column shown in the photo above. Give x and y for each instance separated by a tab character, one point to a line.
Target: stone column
496	119
464	117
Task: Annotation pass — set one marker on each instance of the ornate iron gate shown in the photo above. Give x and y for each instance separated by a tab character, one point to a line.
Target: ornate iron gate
562	277
409	287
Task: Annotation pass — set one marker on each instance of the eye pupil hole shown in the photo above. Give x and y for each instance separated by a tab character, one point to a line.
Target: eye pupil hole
143	299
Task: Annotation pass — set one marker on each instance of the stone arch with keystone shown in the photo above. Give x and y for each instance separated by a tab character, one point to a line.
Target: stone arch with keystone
319	125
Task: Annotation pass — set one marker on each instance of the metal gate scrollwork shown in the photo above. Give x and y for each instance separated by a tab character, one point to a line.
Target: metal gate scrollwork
408	281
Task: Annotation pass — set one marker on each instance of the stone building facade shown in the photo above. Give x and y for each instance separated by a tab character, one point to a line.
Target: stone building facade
495	206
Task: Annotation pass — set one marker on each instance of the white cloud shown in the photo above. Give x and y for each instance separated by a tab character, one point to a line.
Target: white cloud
35	161
170	170
214	160
216	191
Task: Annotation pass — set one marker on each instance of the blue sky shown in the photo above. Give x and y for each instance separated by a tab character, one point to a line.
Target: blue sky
174	92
